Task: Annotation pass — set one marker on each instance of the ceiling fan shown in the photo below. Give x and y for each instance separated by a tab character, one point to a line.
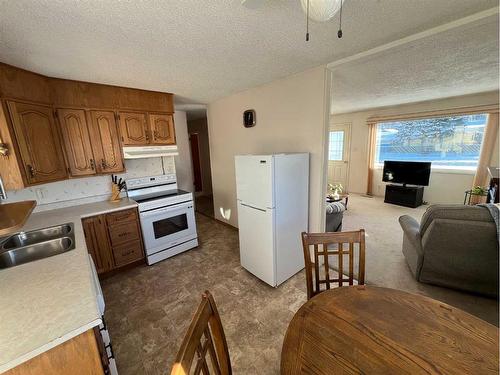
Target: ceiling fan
316	10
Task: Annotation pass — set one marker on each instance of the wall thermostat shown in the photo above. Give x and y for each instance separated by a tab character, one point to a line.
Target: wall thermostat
249	118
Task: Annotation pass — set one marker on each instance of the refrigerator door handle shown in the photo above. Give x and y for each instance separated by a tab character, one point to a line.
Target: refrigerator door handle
256	208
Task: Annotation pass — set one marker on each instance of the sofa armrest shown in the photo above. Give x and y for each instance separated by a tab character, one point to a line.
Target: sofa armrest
411	229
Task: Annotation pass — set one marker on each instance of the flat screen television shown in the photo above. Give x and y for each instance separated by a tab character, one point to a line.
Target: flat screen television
407	172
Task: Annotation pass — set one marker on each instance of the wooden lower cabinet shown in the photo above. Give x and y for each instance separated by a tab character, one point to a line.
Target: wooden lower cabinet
98	245
80	355
114	240
128	253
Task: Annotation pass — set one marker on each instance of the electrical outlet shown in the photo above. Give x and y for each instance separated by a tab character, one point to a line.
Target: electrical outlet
41	193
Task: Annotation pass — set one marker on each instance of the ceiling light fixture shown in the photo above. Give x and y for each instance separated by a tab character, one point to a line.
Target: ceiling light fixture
322	11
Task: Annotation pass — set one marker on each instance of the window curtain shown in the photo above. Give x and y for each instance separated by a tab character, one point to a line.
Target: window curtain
490	138
372	144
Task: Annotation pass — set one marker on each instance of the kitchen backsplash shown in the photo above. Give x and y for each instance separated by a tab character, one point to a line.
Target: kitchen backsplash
89	189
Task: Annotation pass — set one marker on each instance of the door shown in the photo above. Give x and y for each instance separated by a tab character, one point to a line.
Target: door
96	238
166	227
162	129
338	154
76	140
38	141
105	142
254	180
195	157
133	128
257	242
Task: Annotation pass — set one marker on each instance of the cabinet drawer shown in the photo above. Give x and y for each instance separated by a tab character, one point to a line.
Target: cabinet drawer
127	253
121	216
120	233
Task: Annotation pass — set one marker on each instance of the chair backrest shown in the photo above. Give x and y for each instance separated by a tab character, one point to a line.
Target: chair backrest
453	212
318	247
204	339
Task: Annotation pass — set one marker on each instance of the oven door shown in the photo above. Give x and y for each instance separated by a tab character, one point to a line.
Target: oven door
165	227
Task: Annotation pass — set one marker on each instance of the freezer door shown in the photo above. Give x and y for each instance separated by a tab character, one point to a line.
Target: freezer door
254	180
257	242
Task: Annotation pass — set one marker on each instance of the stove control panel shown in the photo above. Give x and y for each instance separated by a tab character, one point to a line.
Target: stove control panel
136	183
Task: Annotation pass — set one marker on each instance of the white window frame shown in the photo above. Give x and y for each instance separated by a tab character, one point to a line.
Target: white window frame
436	169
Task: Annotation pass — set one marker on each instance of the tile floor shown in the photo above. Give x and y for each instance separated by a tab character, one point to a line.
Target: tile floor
149	308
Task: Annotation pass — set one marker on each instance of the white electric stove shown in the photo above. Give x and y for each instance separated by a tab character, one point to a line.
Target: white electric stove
166	214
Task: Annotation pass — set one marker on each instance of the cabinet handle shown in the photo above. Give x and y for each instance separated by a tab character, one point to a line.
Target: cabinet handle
147	135
31	170
103	164
92	164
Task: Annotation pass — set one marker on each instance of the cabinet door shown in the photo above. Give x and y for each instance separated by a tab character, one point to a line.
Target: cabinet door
133	128
38	141
76	140
105	142
98	246
162	129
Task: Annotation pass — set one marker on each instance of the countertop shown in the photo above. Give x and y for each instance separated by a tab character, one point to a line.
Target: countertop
49	301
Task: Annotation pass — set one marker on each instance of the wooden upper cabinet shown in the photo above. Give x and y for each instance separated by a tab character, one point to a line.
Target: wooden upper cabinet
133	128
39	143
162	129
76	140
105	142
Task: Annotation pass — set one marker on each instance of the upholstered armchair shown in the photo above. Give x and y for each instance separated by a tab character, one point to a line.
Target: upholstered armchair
455	246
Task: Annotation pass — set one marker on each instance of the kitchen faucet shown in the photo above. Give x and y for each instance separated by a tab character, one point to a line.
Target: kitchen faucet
3	193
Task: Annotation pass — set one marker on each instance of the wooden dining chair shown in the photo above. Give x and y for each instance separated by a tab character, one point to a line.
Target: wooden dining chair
204	339
318	247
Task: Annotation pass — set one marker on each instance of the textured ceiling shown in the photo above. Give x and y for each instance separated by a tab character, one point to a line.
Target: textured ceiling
460	61
201	50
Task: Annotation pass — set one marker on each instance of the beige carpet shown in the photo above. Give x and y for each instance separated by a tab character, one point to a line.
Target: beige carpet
385	263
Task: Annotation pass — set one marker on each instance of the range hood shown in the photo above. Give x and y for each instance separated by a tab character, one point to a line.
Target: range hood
139	152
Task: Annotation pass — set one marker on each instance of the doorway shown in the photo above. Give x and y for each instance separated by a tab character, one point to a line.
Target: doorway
339	142
195	157
202	174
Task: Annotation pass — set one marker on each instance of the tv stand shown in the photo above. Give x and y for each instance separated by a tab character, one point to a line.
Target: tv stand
402	195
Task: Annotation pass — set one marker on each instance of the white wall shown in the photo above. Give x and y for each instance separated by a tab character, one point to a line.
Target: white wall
443	187
290	118
183	164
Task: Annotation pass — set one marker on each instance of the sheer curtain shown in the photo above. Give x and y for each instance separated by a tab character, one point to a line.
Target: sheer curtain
490	139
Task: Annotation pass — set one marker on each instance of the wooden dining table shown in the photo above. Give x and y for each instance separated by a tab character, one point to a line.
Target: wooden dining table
372	330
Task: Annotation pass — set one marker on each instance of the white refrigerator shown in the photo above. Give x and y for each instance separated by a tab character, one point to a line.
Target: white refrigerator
273	209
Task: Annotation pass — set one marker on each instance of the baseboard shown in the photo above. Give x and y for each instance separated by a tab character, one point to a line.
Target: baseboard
225	224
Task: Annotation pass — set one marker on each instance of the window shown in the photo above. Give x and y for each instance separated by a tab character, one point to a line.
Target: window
336	145
448	142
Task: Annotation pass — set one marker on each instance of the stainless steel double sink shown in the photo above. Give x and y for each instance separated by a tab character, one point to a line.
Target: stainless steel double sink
24	247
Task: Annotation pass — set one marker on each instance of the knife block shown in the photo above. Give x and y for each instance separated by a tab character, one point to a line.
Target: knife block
115	194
